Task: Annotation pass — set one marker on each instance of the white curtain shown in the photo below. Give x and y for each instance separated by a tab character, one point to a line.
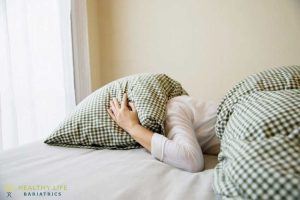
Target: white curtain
36	77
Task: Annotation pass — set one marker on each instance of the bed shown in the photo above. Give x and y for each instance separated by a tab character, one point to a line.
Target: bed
258	124
37	170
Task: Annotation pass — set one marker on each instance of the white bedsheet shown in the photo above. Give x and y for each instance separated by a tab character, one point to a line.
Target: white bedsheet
98	174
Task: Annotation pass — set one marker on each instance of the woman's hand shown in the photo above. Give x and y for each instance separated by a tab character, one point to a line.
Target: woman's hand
129	121
126	118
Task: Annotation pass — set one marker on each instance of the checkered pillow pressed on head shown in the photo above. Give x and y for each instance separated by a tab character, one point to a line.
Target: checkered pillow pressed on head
90	126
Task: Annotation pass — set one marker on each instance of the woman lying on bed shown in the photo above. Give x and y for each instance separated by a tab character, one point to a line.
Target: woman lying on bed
189	129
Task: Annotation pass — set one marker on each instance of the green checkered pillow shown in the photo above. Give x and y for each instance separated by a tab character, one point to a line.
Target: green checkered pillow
282	78
90	126
259	129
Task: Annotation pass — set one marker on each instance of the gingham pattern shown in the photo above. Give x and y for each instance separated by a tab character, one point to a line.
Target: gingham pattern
90	126
259	128
282	78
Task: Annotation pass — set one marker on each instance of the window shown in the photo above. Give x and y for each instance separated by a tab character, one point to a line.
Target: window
36	79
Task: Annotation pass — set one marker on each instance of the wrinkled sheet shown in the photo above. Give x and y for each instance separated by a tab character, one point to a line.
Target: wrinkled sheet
98	174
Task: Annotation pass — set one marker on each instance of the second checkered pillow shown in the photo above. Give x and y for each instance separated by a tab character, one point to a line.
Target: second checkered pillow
259	128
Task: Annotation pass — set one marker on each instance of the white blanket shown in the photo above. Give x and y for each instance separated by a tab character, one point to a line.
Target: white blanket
75	174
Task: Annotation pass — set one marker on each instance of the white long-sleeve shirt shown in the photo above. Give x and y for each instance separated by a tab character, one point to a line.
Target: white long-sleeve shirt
190	130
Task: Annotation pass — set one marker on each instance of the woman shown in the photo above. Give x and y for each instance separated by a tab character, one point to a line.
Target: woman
189	129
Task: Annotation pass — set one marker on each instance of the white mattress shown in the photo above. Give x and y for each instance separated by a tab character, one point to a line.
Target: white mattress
98	174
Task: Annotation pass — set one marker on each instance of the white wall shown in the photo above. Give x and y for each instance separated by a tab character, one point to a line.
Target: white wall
207	45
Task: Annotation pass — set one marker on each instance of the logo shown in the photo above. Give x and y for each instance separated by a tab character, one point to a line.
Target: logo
8	188
34	190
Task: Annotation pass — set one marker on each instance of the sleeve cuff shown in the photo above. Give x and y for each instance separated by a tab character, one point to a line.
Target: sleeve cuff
157	146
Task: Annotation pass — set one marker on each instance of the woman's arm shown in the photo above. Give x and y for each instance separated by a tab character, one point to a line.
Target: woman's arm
129	121
181	149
